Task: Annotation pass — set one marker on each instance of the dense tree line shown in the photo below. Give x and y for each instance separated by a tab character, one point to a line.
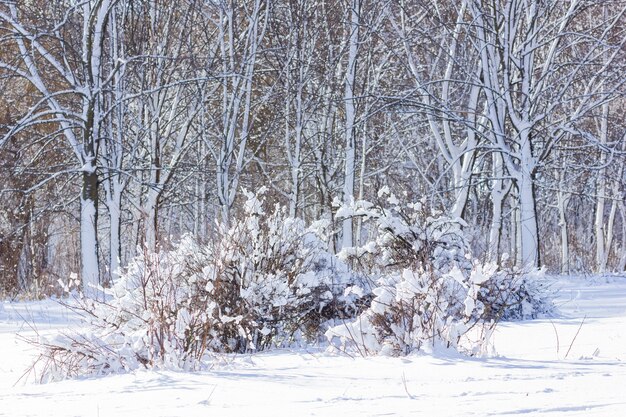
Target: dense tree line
129	123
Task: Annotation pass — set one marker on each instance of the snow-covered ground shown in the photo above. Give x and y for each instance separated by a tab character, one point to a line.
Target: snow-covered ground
572	365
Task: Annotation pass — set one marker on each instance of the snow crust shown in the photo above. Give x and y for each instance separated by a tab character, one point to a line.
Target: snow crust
571	365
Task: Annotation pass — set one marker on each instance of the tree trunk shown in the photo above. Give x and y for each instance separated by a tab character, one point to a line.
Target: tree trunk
90	268
599	230
152	216
296	157
622	261
528	222
116	243
563	198
114	189
498	194
348	185
25	262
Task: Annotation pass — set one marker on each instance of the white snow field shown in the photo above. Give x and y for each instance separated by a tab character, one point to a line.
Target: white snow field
543	367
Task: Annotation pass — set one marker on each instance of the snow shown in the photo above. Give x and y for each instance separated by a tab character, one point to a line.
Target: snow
547	367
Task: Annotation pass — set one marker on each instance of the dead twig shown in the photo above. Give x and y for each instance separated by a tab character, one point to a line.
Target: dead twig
575	336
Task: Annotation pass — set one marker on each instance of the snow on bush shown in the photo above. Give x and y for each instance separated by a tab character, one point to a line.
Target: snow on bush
265	281
405	236
423	308
430	293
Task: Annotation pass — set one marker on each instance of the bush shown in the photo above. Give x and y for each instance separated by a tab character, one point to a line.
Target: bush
265	281
430	293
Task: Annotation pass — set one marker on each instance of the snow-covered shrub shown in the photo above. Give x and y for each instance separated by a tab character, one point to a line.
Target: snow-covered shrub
429	292
284	282
148	319
266	280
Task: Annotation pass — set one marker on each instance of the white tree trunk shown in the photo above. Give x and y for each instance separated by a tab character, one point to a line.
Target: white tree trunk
622	261
514	242
349	97
115	253
599	230
498	193
296	157
151	221
529	236
90	268
562	200
24	262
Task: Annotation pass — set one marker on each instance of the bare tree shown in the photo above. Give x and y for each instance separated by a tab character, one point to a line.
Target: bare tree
63	60
530	81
